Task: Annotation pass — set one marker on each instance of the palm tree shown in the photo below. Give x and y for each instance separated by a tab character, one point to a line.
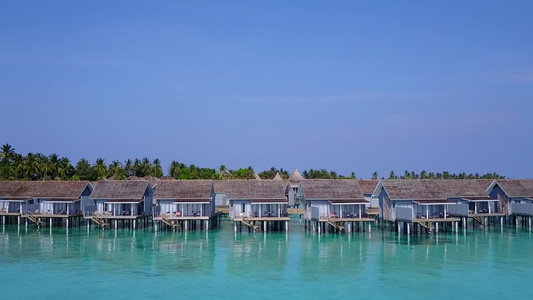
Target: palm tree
137	167
100	168
46	167
222	172
30	166
146	167
114	168
65	169
17	170
174	168
128	166
7	154
157	170
53	159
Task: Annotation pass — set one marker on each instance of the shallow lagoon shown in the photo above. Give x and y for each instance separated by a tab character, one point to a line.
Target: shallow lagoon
43	263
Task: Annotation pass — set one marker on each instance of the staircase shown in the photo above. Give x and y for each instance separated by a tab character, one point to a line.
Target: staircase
373	211
99	221
336	225
34	219
251	224
169	223
425	224
479	220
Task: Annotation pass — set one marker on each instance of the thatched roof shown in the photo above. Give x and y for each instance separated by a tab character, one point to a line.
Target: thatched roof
331	189
277	177
257	176
412	189
18	190
57	190
184	190
296	177
368	185
67	190
120	189
252	189
516	187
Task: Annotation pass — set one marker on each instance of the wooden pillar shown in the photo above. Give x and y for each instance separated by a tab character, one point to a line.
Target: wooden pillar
399	229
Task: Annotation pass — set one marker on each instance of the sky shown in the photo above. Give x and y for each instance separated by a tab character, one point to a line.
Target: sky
349	86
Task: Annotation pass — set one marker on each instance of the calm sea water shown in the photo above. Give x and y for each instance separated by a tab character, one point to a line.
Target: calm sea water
125	264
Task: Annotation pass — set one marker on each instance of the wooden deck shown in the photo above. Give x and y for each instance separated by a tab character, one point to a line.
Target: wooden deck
182	218
241	219
483	215
347	220
373	211
295	211
432	220
9	214
54	215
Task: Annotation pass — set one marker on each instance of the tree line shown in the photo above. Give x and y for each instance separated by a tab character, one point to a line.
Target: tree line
37	166
444	175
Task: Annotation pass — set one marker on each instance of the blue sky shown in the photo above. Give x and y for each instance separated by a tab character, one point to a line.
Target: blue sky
348	86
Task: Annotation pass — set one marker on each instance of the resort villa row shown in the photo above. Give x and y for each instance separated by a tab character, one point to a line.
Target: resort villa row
43	202
426	203
262	205
333	205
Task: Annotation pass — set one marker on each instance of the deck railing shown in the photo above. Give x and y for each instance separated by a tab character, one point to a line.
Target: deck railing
89	210
28	209
521	209
404	213
458	210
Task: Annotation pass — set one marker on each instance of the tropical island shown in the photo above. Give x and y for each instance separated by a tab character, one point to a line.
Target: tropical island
38	166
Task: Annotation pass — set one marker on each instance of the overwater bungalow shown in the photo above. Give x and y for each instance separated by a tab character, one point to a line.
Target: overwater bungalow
259	204
43	202
411	202
120	200
333	204
184	204
472	200
367	187
295	180
221	187
59	201
13	195
515	197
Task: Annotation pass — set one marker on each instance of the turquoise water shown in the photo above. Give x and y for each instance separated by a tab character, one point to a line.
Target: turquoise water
125	264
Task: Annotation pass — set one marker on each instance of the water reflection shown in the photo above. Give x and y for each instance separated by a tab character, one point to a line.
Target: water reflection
303	263
262	253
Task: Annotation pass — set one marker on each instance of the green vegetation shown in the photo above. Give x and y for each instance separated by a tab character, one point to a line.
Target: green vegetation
324	174
444	175
36	166
271	173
